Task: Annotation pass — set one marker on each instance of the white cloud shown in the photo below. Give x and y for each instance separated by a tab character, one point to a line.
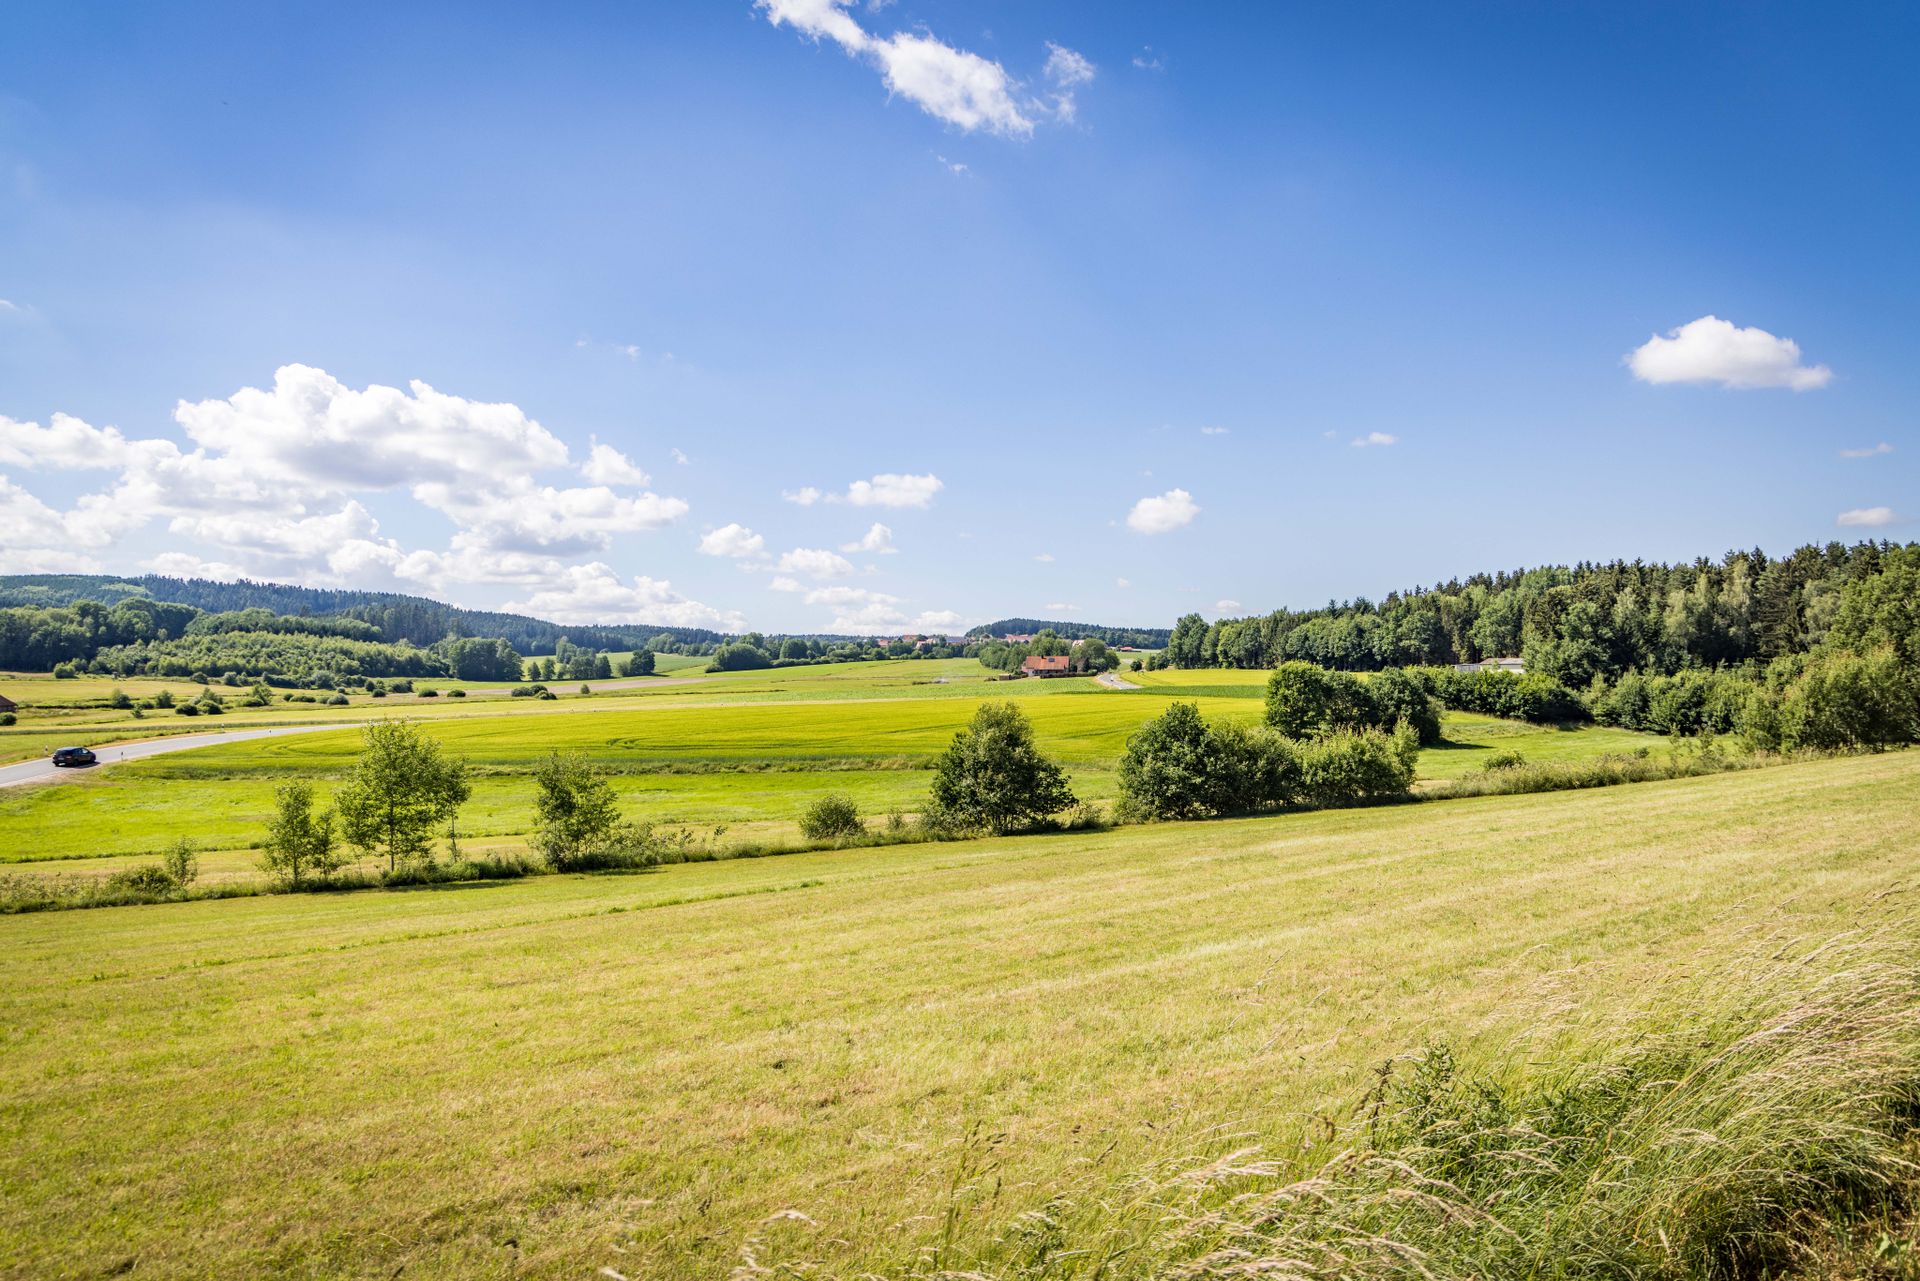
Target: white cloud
891	489
1213	431
1712	350
952	166
7	304
1375	438
1869	452
64	444
678	457
815	562
1226	606
187	565
606	465
878	539
785	584
961	88
1061	607
1122	583
860	611
1870	517
1147	59
1066	71
734	540
805	497
593	593
1163	514
519	515
1045	558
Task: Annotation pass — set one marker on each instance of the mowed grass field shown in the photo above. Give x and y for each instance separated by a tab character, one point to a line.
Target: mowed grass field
911	1046
747	751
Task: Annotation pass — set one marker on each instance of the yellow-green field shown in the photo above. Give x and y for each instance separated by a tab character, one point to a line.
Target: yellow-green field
746	750
911	1046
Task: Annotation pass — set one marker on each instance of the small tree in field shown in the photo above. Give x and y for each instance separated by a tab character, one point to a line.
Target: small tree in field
299	843
993	777
574	809
181	863
833	817
403	788
1305	700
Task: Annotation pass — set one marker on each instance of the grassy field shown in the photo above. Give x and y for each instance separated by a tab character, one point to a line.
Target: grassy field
866	729
911	1046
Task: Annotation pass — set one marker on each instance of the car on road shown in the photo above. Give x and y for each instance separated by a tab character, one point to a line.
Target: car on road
73	756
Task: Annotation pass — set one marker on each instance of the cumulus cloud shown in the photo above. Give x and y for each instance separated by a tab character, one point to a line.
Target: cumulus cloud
963	89
64	444
860	611
272	483
1870	517
815	562
878	539
734	540
1712	350
890	489
606	465
1226	606
1213	431
804	497
1045	558
1164	513
594	593
1870	451
1375	439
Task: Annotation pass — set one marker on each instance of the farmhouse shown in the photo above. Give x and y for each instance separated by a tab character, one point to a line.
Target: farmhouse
1058	665
7	704
1513	665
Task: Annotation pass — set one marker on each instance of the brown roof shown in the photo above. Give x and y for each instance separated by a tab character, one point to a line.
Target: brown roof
7	704
1058	663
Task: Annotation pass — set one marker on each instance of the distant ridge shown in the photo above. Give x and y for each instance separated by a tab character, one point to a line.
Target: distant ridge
398	616
1144	637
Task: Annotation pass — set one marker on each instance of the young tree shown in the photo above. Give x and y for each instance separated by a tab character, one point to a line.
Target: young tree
403	787
180	863
299	842
1165	771
1183	648
1305	700
1399	695
574	808
993	777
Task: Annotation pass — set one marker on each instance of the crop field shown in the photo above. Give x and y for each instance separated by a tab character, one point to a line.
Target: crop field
746	751
910	1046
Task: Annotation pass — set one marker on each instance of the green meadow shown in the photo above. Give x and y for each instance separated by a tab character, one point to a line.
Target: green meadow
746	751
879	1061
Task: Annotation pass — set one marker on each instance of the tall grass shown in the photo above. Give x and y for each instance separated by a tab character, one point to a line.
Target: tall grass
1748	1122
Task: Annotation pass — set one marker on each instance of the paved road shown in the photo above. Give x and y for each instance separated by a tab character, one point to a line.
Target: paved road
36	771
1113	680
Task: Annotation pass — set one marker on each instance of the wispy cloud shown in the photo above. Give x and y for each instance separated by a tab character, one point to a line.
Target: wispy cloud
1375	439
1870	518
1870	451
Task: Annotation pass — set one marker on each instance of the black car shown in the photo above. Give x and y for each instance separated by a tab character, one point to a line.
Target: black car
73	756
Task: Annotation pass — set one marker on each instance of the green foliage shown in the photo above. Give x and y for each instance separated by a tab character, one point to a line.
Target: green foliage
402	789
181	863
473	659
8	718
1502	760
575	811
641	664
1531	696
1348	767
833	817
300	843
1179	766
1400	696
994	778
1306	701
65	672
1836	701
738	658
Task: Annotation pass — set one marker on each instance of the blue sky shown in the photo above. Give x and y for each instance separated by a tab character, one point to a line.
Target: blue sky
987	275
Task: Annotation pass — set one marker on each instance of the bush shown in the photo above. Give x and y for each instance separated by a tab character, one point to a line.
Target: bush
187	709
833	817
527	691
1400	695
335	700
1530	697
1350	767
163	699
181	863
1502	760
1835	701
1305	700
147	879
65	672
119	699
575	810
993	778
456	693
738	658
8	718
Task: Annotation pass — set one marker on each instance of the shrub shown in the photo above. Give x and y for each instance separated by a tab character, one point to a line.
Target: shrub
8	718
429	693
1166	772
181	863
187	709
119	699
163	699
147	879
65	672
1835	701
1348	767
527	691
575	810
1305	700
456	693
1502	760
335	700
1400	695
993	777
738	658
1530	697
833	817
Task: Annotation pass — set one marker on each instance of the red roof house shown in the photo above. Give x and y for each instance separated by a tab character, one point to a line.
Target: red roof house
1058	665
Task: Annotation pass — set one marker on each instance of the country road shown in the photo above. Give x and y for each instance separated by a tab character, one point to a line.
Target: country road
37	771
